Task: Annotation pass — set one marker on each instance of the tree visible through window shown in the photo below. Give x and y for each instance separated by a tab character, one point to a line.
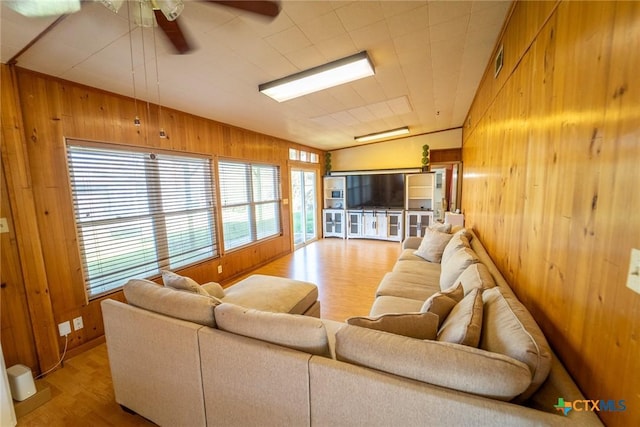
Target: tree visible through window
138	212
250	202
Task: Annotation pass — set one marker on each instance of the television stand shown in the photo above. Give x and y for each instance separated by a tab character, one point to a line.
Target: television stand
375	223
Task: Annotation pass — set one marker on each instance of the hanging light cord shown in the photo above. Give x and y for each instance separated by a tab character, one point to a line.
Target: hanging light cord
133	73
155	52
146	82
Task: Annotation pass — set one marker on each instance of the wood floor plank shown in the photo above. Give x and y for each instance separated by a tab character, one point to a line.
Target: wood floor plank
347	273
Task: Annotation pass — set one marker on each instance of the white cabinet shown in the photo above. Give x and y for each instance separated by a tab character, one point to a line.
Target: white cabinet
334	192
419	191
354	224
333	223
416	222
382	225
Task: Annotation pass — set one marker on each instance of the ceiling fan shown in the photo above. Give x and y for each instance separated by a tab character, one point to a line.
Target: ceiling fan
165	12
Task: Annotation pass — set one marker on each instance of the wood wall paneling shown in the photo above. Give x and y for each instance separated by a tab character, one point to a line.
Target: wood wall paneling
53	110
551	184
17	173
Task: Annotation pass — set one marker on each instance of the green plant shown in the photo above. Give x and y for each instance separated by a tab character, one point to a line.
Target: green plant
425	157
327	163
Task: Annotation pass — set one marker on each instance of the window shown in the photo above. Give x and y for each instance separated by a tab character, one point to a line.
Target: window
139	212
250	202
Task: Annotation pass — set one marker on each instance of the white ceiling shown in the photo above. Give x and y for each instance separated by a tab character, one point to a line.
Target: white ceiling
429	57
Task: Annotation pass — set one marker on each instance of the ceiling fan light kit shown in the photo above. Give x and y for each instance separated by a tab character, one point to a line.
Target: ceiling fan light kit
44	7
325	76
384	134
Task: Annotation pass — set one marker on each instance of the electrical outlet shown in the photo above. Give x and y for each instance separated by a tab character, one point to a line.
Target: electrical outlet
64	328
633	280
77	323
220	269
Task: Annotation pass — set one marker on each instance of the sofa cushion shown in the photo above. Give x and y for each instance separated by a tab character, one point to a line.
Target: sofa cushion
443	364
275	294
303	333
458	241
441	303
409	255
455	265
181	283
422	326
464	323
476	276
433	244
390	304
509	329
171	302
430	270
407	285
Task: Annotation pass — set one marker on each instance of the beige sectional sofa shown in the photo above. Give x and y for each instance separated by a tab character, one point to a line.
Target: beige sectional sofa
179	358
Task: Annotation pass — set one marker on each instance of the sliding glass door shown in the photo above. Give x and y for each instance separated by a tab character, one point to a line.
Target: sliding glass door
303	205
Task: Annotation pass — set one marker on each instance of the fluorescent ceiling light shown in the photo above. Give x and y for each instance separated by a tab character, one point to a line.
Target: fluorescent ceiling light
335	73
385	134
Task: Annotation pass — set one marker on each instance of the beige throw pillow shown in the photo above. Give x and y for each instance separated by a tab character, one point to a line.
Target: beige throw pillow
464	324
214	289
443	228
182	283
441	303
432	245
423	326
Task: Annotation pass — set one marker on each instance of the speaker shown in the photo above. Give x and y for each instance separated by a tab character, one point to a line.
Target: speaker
21	382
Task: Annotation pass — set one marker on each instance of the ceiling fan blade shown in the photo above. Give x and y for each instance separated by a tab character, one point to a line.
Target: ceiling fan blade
173	32
265	8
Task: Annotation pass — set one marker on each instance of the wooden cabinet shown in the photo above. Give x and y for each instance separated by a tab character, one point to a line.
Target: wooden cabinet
354	224
416	222
333	223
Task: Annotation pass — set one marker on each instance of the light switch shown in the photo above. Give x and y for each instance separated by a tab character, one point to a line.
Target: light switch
4	226
633	280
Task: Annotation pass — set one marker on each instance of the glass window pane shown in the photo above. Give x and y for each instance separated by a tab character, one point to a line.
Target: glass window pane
268	220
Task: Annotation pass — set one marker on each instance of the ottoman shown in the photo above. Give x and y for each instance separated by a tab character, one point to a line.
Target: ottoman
275	294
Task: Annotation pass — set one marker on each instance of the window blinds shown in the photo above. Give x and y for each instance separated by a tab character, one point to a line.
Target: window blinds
250	202
139	212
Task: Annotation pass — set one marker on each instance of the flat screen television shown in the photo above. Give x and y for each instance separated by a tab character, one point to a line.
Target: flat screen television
375	191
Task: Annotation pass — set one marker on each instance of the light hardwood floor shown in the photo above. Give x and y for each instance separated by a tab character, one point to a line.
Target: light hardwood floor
347	273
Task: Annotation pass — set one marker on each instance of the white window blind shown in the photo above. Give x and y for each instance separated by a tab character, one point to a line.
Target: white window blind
250	202
139	212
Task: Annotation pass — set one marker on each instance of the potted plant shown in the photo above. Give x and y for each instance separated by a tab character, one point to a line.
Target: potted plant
327	163
426	167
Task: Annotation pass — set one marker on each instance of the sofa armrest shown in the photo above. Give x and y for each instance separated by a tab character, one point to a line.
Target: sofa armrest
411	243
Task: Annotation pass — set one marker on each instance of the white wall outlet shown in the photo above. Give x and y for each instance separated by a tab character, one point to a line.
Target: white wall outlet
633	280
4	226
77	323
64	328
220	269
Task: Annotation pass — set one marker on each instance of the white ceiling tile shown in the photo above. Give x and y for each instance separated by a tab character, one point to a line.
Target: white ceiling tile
443	11
323	27
360	14
289	40
415	19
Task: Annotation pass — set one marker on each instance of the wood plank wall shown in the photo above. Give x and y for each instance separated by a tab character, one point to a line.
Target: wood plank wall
551	152
54	109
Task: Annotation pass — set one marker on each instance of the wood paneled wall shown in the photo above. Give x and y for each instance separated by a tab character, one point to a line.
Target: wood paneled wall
53	110
551	149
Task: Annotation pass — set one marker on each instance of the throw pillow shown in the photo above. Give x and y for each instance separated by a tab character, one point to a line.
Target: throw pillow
182	283
423	326
432	245
443	228
464	324
214	289
441	303
453	267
